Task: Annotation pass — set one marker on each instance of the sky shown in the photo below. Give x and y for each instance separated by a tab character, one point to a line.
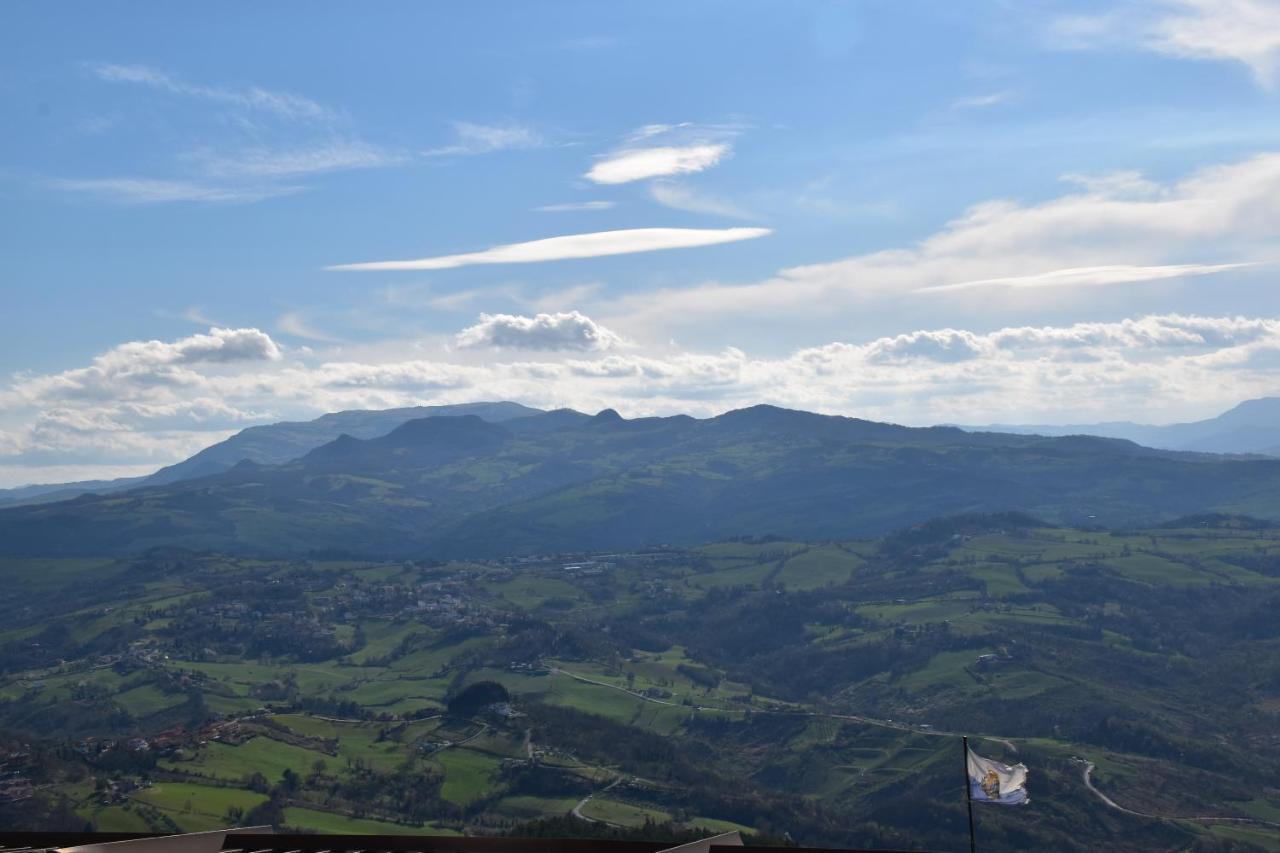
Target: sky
220	215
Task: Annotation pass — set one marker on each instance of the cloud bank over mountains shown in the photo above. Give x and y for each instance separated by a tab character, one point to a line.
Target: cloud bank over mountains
154	402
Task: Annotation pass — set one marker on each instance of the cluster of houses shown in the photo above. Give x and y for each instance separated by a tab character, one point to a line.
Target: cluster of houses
165	743
15	785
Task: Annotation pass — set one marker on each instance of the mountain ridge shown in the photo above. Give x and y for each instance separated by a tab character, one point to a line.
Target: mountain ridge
460	486
1252	427
1249	427
266	444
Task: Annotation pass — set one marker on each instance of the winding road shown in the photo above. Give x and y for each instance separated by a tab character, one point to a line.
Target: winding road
577	810
1087	774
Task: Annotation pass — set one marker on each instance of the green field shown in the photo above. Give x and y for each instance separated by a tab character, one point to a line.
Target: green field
469	775
311	820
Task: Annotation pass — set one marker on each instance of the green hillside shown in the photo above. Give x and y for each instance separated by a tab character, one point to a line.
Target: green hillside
810	688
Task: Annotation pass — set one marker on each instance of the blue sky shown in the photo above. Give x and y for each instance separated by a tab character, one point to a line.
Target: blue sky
912	211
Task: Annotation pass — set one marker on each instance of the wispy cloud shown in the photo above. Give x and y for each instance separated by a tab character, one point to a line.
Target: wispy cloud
649	131
158	191
593	245
980	102
258	140
292	323
1112	232
483	138
680	197
274	163
571	206
1246	31
637	164
282	104
1091	276
1243	31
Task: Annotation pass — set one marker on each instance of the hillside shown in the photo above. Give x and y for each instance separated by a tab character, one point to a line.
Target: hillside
269	444
463	486
1251	427
809	688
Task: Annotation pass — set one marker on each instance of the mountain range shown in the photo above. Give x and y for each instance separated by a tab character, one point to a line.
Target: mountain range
461	485
268	444
1251	427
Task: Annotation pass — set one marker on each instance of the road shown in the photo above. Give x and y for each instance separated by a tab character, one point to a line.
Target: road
634	693
1087	775
871	721
577	810
907	727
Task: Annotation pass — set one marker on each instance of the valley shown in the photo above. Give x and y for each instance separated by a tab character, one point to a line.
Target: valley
794	689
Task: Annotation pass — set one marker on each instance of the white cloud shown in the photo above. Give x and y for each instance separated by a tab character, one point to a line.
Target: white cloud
1090	276
483	139
564	331
292	323
1243	31
129	190
219	345
141	403
649	131
281	104
680	197
593	245
244	151
637	164
572	206
1116	231
1246	31
135	369
980	102
265	162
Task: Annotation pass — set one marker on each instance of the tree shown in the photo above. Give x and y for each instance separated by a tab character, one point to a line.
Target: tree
472	698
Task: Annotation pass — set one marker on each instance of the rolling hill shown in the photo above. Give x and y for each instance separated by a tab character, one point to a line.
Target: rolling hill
816	689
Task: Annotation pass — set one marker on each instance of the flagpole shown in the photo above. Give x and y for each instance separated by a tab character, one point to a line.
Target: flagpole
968	795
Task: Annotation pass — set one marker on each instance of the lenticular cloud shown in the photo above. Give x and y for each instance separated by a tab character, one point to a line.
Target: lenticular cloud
594	245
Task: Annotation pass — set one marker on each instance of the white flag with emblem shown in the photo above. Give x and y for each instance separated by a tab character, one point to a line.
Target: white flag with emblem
993	782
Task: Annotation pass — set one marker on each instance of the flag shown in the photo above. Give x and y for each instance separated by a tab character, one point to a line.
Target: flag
993	782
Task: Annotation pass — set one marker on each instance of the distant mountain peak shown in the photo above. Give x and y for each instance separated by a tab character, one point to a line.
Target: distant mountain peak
1265	409
1249	427
438	427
